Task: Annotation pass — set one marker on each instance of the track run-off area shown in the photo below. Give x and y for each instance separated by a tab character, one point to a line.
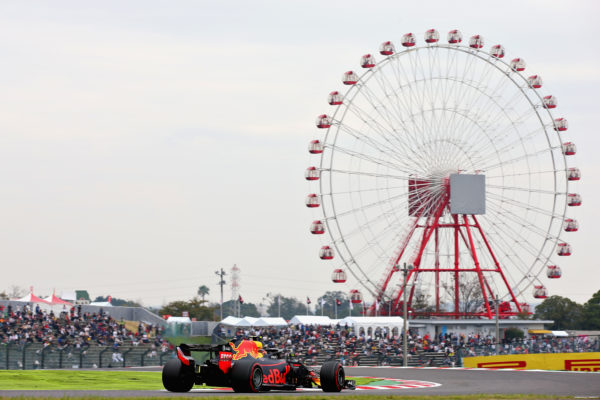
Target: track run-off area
398	381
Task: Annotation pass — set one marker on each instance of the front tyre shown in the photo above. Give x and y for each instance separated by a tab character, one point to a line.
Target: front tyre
246	376
176	377
332	376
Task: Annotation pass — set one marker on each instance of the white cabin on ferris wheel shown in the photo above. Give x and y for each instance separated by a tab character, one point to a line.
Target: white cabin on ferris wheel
349	78
408	40
367	61
387	48
553	272
517	64
312	174
326	253
315	147
317	227
476	42
339	276
540	292
564	249
571	225
569	149
454	36
432	36
312	201
323	121
535	81
561	124
497	51
573	174
355	296
335	98
550	102
573	199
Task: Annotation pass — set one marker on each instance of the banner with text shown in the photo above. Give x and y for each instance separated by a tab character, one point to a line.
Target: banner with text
553	361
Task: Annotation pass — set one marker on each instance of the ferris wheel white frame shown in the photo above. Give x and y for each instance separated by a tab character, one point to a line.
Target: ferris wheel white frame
536	102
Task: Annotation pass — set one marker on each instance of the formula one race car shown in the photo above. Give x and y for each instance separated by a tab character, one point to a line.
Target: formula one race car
246	367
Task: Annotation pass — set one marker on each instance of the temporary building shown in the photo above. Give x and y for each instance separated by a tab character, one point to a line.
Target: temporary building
57	304
311	320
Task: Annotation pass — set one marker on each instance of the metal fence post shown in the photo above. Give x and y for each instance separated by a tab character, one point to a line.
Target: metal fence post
25	346
44	355
101	353
144	355
125	355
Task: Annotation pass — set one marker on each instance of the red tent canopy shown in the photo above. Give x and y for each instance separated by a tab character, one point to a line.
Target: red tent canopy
32	298
57	300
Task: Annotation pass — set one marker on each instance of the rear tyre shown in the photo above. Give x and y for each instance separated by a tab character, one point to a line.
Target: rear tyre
332	376
246	376
177	377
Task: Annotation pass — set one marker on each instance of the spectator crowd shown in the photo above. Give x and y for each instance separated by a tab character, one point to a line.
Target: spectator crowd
342	342
75	329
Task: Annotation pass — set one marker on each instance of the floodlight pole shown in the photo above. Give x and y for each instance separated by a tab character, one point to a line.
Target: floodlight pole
497	325
405	313
221	282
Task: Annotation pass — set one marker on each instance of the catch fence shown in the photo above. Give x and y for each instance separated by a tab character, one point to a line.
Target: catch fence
38	356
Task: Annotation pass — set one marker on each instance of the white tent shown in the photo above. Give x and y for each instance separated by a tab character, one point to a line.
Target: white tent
179	320
311	320
370	324
250	321
235	321
267	321
560	334
231	321
101	304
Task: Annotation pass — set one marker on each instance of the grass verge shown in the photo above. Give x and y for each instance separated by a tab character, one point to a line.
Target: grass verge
91	380
324	397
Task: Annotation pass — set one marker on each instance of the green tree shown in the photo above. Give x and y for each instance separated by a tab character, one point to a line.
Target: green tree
118	302
591	312
246	309
195	307
513	333
3	296
565	313
329	307
290	306
203	291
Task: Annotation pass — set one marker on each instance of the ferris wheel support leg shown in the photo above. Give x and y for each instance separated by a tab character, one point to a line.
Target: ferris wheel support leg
512	295
431	224
437	272
478	268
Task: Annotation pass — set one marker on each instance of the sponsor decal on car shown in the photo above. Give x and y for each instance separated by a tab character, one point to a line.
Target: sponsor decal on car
276	377
244	349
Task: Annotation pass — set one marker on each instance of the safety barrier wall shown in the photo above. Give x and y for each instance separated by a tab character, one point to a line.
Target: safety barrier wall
589	362
36	356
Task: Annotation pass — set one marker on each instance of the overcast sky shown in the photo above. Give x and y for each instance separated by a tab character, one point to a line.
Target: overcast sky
145	144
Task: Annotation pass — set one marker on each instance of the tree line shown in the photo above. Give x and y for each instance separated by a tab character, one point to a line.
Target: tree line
570	315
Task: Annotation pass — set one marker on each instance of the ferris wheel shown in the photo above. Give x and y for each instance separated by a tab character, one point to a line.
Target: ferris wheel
449	159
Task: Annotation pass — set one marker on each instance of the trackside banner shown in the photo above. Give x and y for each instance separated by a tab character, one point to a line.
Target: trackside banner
557	361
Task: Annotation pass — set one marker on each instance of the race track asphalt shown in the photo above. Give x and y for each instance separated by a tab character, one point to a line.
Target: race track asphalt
452	381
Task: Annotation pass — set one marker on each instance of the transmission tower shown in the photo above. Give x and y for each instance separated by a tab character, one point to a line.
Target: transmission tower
235	290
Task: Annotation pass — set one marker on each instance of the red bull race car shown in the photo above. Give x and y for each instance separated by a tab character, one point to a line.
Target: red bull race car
246	367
